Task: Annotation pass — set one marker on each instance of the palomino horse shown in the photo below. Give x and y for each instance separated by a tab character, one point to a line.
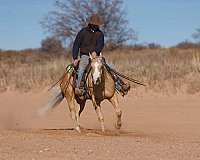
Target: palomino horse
101	86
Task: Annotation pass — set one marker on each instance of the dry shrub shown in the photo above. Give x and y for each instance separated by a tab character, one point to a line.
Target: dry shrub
163	70
196	61
194	84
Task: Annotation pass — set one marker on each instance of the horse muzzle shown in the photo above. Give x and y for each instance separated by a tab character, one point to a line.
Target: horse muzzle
97	81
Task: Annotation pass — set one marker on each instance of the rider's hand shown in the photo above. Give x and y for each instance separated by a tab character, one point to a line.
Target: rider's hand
75	62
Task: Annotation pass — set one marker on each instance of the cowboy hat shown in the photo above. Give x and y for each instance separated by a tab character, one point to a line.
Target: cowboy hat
95	19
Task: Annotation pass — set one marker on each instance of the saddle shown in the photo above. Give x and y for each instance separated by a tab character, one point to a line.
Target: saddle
84	86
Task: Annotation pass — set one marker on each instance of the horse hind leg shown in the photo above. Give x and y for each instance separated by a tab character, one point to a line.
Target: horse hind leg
115	104
82	106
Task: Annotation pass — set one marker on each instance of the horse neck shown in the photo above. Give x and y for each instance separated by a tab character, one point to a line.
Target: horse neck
106	77
106	89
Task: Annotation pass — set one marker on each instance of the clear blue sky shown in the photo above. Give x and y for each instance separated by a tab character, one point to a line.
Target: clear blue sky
162	21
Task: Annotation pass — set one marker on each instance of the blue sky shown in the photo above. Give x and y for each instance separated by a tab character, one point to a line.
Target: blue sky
162	21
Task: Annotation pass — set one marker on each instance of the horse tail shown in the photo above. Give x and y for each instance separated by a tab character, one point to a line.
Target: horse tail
55	101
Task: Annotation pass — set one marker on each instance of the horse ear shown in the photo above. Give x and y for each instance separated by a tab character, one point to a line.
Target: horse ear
100	55
90	56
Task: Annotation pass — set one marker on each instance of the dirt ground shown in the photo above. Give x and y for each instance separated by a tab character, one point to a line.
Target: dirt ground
154	127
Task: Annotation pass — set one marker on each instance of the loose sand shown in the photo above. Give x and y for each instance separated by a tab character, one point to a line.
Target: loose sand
154	127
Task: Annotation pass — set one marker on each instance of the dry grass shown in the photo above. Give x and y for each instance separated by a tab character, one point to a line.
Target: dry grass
25	71
163	70
166	70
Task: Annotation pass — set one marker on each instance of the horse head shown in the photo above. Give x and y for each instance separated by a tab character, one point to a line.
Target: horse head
96	69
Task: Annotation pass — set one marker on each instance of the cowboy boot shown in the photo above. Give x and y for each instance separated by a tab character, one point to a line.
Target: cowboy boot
80	91
126	87
122	87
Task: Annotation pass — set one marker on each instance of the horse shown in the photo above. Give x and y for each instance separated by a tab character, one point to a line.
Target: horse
101	86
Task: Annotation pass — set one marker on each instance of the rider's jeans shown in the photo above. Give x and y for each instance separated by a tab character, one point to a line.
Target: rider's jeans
84	61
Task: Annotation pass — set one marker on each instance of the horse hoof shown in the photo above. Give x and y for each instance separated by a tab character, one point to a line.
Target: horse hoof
103	130
78	129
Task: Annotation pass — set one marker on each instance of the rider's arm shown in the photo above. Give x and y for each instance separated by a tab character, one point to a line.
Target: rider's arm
76	46
100	44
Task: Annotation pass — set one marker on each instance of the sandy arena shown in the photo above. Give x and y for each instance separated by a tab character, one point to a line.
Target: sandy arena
154	127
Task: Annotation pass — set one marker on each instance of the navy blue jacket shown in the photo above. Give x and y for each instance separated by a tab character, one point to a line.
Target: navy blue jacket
88	41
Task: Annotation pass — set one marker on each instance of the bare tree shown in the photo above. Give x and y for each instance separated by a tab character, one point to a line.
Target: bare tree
70	16
196	35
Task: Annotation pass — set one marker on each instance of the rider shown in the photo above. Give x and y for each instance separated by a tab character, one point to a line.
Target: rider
88	40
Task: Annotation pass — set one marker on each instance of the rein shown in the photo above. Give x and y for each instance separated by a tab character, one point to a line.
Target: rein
113	71
69	69
57	82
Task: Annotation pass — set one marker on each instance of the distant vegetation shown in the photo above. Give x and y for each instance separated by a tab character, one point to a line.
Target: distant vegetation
163	70
52	45
187	45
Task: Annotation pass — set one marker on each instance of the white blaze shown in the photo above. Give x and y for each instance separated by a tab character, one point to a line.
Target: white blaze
96	73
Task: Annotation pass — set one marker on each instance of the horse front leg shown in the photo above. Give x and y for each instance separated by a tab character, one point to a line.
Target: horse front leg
74	115
99	114
100	118
115	104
